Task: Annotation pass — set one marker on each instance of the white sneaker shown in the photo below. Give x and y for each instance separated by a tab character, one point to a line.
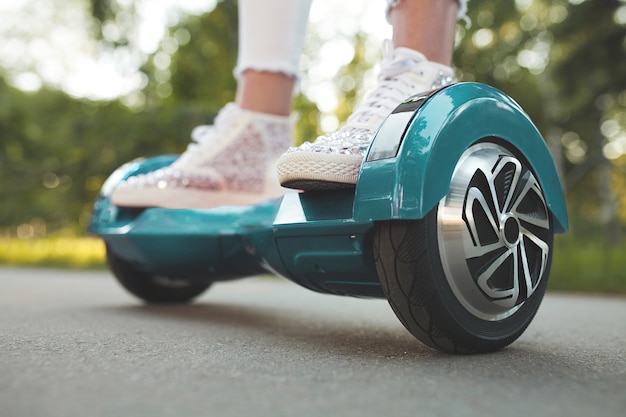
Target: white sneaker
334	160
229	163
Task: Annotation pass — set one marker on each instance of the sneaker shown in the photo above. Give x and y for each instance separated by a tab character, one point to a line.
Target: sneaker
334	160
229	163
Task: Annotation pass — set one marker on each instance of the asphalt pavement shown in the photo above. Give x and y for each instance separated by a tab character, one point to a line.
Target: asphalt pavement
74	343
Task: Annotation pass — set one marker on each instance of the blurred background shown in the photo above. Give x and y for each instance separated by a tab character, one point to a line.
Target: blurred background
86	85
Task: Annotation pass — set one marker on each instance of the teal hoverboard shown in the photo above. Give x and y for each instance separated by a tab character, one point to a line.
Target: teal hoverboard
452	220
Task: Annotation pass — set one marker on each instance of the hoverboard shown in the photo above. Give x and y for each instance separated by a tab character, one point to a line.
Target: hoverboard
452	220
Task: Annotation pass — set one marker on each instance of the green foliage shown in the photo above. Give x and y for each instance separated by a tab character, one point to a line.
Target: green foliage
122	16
202	69
350	78
56	152
59	251
588	266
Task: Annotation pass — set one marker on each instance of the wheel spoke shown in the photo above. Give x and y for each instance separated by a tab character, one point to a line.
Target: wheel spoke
542	223
540	244
475	195
504	296
527	255
509	179
543	246
476	251
530	287
529	206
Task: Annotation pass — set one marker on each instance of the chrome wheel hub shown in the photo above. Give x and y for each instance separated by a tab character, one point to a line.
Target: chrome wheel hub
494	232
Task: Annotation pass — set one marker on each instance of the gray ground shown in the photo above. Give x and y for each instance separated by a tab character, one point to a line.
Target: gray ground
75	344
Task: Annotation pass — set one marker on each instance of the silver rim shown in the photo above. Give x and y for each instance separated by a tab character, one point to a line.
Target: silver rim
494	232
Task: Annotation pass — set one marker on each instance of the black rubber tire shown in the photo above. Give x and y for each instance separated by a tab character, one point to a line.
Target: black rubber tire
154	289
408	264
469	277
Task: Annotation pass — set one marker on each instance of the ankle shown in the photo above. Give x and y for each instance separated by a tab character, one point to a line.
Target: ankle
265	92
436	20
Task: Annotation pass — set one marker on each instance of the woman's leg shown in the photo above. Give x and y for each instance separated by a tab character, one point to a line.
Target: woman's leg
233	161
271	37
265	91
436	23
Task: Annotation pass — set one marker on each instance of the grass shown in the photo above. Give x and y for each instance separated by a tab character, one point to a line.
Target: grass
588	268
66	252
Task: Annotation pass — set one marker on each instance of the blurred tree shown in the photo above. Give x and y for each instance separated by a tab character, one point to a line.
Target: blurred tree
56	151
565	62
350	79
589	67
202	68
114	22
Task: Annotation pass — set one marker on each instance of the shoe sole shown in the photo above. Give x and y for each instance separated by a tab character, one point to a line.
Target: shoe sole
318	171
186	198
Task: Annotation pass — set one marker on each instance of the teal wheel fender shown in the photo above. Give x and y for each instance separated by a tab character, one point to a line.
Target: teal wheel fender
409	165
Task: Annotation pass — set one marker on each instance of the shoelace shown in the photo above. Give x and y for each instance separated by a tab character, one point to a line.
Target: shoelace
397	76
205	138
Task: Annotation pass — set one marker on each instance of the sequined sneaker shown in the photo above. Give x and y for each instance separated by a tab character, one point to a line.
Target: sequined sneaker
334	160
229	163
